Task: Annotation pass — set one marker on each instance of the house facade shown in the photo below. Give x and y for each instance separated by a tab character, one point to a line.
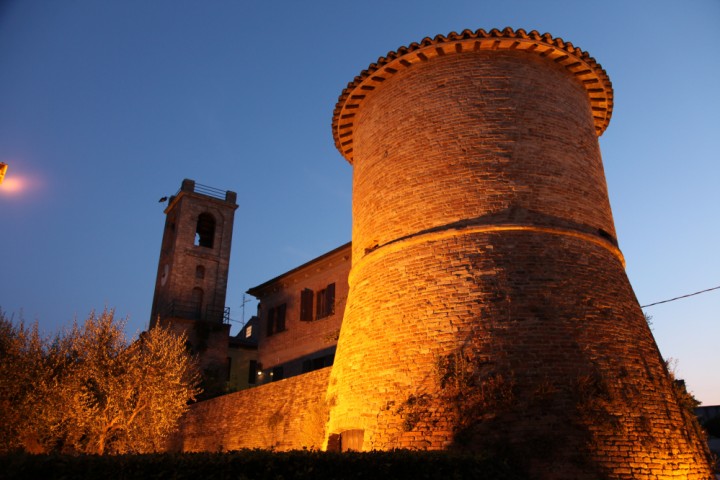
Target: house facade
299	316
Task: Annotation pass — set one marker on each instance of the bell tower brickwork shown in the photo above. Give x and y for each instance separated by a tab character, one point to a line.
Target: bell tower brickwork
191	284
488	304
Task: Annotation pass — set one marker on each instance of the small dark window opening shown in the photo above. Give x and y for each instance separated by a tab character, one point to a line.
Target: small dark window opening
200	272
276	319
253	372
325	301
306	305
277	374
205	231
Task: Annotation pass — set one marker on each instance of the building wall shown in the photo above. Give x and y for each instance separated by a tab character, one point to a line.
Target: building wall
284	415
242	353
302	340
180	257
486	135
240	358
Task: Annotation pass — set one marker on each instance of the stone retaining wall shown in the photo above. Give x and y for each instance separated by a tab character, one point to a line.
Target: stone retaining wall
285	415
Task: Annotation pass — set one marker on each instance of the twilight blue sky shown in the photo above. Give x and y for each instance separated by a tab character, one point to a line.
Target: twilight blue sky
105	106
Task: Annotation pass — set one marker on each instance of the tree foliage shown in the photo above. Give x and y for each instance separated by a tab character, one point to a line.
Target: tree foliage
90	390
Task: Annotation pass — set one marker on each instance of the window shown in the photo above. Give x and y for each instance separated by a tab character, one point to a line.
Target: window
205	231
253	372
306	305
325	302
200	272
276	319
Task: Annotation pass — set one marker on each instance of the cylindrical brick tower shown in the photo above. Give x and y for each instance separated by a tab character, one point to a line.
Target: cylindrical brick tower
489	308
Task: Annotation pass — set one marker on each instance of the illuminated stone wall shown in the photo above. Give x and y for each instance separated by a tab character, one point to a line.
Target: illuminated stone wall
488	304
284	415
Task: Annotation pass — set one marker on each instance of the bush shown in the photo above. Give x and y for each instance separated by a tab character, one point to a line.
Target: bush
261	465
91	390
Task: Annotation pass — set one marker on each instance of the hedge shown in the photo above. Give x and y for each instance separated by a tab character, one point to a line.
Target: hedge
260	465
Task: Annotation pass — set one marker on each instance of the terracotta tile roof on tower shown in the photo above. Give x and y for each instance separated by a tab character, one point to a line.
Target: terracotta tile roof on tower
587	71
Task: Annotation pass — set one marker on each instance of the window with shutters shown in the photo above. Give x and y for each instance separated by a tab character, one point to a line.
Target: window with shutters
325	302
276	319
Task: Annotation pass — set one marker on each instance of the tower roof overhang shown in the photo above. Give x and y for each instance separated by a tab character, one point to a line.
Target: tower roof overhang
578	63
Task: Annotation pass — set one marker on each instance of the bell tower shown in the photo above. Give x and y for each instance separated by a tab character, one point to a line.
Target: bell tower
192	274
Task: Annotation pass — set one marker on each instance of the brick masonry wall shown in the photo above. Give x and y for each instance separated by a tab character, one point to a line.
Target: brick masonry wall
184	256
285	415
488	304
470	135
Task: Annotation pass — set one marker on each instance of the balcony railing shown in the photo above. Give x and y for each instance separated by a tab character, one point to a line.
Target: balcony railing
192	186
210	191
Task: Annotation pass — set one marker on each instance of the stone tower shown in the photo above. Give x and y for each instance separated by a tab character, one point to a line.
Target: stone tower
193	272
488	304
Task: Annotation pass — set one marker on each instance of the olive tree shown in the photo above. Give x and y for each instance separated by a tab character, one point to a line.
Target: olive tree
90	390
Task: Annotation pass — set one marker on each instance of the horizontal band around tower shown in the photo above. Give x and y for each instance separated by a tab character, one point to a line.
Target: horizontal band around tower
578	63
399	245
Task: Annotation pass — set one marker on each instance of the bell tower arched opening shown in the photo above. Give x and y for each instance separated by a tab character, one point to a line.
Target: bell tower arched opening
205	231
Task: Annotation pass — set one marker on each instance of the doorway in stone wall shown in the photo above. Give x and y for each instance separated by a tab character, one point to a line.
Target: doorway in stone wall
347	441
352	440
